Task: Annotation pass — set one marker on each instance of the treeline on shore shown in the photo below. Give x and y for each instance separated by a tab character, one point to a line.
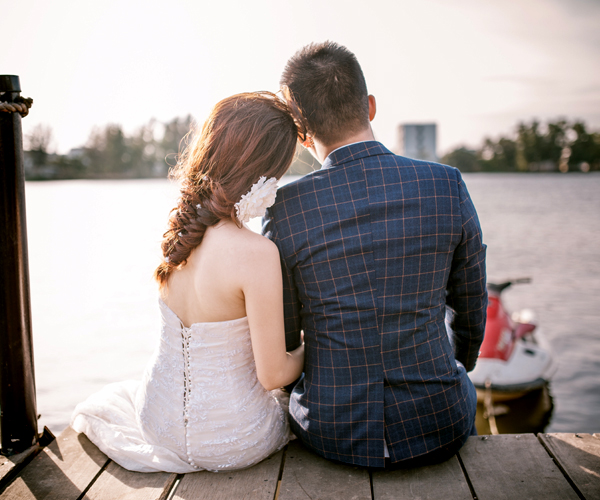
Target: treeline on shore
109	153
557	146
151	150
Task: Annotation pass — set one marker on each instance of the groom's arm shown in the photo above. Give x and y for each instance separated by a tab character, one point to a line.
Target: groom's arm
467	293
291	303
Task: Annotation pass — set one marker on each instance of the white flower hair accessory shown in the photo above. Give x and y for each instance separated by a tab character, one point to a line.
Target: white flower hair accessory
256	201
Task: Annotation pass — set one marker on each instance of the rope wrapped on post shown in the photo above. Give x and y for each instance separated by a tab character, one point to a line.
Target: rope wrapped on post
21	105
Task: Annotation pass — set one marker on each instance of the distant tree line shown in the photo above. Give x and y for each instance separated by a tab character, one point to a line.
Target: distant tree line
109	153
556	146
153	148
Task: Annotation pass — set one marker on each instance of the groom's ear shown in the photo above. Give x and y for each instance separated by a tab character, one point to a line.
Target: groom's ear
372	107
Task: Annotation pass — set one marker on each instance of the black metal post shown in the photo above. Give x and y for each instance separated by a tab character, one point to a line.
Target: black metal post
18	415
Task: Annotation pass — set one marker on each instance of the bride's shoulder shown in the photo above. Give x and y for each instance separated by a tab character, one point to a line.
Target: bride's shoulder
257	246
244	244
257	262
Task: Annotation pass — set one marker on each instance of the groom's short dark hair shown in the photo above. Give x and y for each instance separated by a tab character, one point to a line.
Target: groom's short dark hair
328	85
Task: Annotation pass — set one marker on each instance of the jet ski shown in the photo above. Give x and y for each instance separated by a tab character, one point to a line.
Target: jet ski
515	358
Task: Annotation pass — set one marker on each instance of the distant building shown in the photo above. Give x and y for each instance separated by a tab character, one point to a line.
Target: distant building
418	141
76	153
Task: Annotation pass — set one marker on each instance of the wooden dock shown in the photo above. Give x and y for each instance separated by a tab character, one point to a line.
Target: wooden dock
510	466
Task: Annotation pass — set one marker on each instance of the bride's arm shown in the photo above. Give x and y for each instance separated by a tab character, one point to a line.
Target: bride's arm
263	292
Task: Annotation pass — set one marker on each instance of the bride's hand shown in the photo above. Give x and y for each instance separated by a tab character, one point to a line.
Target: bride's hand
299	353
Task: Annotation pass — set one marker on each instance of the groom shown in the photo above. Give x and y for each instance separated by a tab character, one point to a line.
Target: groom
377	251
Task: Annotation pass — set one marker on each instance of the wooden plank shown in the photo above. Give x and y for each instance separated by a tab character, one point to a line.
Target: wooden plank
445	480
117	483
309	476
578	455
256	483
509	466
62	471
9	465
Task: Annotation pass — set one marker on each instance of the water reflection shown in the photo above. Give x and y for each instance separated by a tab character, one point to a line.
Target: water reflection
529	413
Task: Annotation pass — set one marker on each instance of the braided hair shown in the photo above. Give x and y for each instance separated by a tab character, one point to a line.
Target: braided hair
245	137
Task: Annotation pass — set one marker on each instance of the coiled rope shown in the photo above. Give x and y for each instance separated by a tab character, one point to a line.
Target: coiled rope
21	105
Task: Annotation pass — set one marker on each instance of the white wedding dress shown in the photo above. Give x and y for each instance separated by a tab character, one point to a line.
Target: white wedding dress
199	405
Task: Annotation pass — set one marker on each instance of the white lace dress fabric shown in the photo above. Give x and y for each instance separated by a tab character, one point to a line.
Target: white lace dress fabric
199	405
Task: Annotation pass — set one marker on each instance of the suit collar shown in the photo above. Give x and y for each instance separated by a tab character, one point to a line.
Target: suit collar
353	152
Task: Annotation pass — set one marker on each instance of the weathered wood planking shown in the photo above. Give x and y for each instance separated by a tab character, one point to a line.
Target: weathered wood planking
256	483
445	480
579	457
504	466
62	471
116	483
509	466
9	464
308	476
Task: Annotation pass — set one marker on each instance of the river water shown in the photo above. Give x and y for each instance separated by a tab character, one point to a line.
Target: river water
93	246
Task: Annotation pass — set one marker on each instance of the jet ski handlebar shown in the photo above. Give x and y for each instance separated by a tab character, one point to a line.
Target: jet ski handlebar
499	287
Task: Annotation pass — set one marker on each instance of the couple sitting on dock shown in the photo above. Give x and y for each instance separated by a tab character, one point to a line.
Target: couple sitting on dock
344	300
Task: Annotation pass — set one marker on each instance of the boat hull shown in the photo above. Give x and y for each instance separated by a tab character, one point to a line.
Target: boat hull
529	367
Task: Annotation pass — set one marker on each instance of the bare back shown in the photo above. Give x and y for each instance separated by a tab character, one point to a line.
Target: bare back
209	287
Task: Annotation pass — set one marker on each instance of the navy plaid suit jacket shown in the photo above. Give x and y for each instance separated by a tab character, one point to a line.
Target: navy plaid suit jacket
375	250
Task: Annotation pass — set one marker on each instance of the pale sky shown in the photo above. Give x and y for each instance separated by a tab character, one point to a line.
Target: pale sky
475	67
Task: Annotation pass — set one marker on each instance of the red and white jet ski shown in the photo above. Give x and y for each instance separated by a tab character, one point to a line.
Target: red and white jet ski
514	357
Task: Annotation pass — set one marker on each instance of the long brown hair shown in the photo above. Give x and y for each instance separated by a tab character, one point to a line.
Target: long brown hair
245	137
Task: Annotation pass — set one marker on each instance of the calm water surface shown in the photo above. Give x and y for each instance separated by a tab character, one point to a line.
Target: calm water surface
93	246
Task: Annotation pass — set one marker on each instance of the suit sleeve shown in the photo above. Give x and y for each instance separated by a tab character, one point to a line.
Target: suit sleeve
467	293
291	302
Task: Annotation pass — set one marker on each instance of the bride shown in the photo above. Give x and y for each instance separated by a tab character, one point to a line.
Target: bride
208	399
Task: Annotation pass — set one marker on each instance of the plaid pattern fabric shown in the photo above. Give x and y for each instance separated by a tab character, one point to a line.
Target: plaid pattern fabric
377	251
